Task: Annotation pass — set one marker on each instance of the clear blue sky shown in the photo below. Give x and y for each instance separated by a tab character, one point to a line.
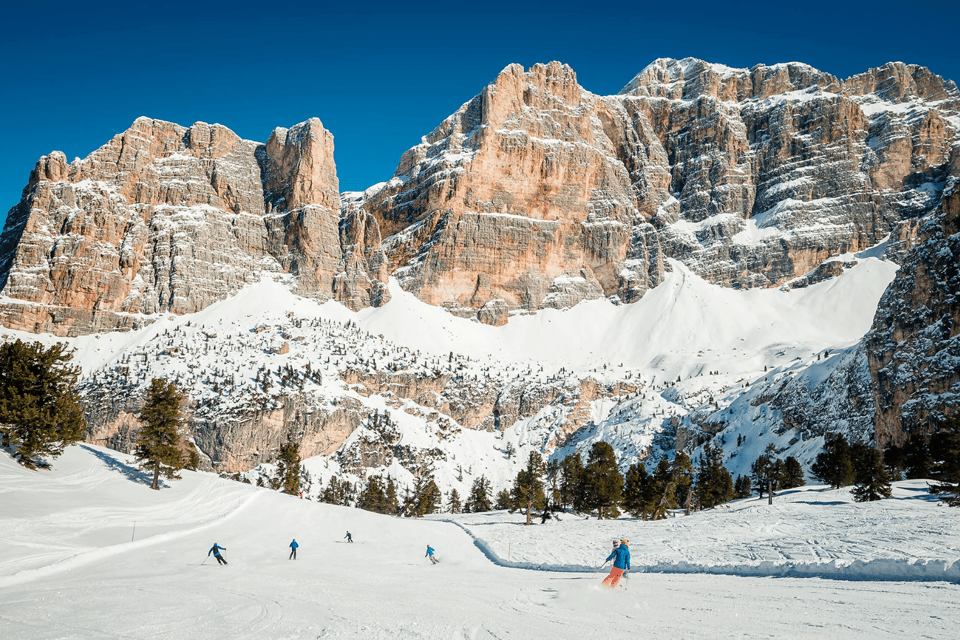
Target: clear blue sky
379	76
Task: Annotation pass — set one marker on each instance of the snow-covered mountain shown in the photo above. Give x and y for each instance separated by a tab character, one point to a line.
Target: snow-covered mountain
698	257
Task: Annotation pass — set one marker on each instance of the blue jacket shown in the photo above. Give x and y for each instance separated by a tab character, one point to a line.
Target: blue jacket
429	550
294	545
216	550
622	555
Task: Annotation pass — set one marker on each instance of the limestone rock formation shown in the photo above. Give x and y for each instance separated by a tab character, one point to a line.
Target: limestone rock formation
914	344
165	218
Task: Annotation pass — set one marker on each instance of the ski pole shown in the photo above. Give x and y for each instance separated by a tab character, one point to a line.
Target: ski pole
204	560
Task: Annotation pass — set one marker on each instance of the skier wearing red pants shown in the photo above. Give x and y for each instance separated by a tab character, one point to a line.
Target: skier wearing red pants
621	563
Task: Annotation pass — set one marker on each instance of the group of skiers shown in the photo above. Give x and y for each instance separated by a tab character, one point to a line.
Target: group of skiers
620	556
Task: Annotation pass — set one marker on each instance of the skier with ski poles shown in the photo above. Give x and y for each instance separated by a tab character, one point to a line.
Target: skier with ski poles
215	550
433	560
621	563
348	537
293	550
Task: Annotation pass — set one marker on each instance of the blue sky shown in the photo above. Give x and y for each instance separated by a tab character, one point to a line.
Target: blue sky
379	76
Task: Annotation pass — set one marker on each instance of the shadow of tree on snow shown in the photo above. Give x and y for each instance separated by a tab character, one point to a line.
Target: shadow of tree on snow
131	473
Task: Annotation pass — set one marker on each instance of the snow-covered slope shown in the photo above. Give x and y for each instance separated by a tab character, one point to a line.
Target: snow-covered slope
101	585
687	361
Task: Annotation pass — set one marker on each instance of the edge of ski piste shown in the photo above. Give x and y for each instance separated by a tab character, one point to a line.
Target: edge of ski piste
92	555
878	570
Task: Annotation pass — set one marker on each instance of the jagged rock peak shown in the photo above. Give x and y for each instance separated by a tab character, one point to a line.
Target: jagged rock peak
691	78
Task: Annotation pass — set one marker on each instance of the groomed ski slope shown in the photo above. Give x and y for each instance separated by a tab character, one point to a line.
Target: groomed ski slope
69	570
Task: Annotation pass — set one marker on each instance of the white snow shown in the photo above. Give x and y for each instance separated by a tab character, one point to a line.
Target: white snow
68	568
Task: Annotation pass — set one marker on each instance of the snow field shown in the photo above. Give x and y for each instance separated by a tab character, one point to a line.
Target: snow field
382	587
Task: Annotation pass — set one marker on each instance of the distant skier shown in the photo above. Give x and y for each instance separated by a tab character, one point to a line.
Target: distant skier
216	553
621	563
433	560
293	550
348	537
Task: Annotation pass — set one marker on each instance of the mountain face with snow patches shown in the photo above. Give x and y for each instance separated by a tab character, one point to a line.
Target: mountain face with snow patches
696	258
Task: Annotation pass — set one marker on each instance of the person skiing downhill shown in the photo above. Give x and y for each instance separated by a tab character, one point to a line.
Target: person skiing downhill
621	563
216	553
293	550
430	555
348	537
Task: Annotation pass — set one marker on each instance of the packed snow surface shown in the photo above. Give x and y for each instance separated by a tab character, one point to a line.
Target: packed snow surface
68	567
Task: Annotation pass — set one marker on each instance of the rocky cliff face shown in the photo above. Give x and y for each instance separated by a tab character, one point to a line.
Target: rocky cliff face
537	193
914	345
168	219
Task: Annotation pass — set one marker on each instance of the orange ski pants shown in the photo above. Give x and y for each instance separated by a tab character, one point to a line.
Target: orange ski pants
613	579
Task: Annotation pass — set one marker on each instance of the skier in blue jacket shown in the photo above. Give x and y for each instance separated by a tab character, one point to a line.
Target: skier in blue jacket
621	563
430	555
216	553
293	550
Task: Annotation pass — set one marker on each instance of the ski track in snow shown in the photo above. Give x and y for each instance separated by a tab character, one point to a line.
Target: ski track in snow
163	585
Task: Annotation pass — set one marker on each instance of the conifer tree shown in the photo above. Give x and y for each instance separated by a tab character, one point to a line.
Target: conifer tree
453	502
391	503
479	499
945	451
158	441
633	487
834	464
373	497
603	486
765	472
873	481
288	467
553	481
425	497
40	411
571	482
714	484
742	487
917	460
791	475
335	492
528	486
659	495
683	478
504	500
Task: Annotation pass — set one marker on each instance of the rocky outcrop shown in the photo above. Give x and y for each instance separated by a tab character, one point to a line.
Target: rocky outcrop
165	218
537	193
914	344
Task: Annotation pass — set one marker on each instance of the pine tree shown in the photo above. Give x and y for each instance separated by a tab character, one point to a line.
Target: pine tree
40	411
791	475
603	486
391	504
945	451
571	482
553	480
425	497
683	478
659	495
873	481
479	499
288	467
834	464
917	460
742	487
714	484
335	492
762	473
373	498
453	502
504	500
158	441
633	486
528	486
